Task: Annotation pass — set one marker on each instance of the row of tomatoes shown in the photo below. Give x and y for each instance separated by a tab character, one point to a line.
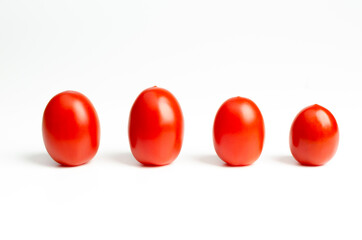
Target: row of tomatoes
71	130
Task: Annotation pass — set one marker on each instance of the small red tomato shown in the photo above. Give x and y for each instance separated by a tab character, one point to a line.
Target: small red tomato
314	136
155	127
239	132
71	129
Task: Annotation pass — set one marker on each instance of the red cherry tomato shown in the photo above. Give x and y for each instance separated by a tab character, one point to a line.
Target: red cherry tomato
314	136
71	129
238	132
155	127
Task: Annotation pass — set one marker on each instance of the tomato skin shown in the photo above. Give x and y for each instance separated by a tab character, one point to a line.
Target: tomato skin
71	130
314	136
238	132
155	127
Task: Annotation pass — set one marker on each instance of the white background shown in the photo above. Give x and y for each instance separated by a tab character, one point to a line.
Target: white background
284	55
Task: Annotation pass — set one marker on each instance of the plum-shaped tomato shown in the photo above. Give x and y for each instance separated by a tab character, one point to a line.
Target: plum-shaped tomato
238	132
155	127
71	129
314	136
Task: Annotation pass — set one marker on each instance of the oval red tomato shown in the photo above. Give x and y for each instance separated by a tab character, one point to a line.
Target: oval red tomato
155	127
238	132
71	129
314	136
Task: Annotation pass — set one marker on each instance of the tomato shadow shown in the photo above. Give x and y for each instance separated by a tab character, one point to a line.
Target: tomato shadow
213	159
42	159
128	159
287	159
125	158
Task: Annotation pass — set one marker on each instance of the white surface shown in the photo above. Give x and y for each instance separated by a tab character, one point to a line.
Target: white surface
284	55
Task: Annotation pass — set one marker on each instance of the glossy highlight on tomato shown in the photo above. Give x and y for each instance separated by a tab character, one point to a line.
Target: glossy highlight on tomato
238	132
155	127
314	136
71	130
